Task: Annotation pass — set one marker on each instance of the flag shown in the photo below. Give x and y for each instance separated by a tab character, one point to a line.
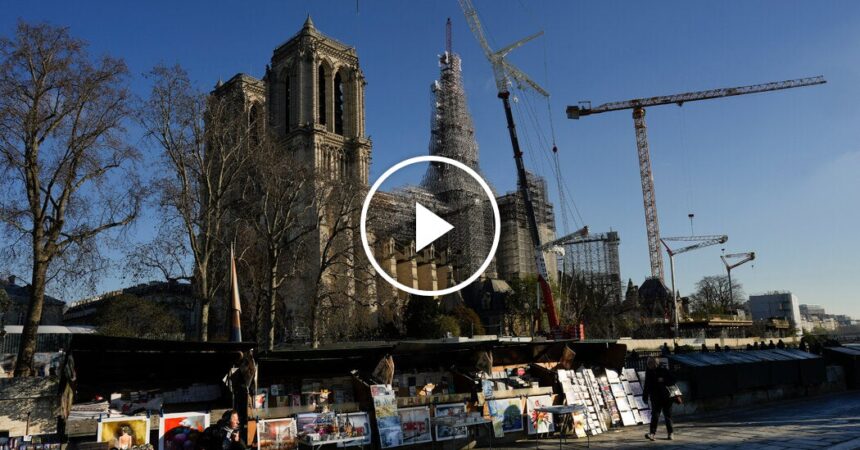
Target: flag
236	321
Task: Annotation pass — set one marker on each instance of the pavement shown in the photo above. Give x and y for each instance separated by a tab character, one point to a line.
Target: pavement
823	422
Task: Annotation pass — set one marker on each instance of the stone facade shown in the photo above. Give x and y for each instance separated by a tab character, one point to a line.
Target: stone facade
19	300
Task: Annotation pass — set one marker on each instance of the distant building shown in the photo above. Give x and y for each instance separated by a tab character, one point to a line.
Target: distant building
780	306
812	310
19	296
176	299
515	257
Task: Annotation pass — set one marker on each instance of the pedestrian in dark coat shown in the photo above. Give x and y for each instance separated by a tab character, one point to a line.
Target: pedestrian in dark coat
780	345
657	379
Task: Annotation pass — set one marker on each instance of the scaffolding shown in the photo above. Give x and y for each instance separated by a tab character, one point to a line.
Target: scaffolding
452	135
594	260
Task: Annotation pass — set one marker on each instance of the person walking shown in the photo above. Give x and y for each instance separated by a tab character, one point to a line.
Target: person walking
657	379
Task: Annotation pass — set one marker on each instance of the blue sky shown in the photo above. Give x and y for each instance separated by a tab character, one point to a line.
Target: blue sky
777	172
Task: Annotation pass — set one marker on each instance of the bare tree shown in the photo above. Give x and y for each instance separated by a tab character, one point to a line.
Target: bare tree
204	141
67	174
339	270
278	206
712	296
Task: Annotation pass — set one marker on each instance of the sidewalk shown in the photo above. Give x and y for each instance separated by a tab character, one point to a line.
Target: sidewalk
824	422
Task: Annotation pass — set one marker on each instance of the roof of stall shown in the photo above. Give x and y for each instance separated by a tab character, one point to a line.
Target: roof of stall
105	364
422	354
751	356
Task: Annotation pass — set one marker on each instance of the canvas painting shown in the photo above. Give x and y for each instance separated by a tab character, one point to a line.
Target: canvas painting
507	415
627	418
630	374
579	424
123	432
176	430
646	415
277	434
359	424
415	423
444	433
539	422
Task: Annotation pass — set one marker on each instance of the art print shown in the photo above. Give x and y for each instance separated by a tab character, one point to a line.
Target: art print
182	431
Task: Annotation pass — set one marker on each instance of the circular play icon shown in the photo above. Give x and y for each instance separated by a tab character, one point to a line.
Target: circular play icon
431	226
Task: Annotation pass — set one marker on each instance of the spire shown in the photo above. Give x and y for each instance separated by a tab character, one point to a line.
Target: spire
309	23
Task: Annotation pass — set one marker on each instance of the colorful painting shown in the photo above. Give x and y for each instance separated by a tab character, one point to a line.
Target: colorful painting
415	423
181	431
539	422
507	415
306	422
579	423
277	434
123	433
387	419
444	433
359	425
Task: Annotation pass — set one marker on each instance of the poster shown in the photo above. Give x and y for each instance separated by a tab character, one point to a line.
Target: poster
539	422
261	400
636	388
645	414
277	434
415	423
175	430
444	433
507	415
387	419
305	422
579	420
123	432
359	422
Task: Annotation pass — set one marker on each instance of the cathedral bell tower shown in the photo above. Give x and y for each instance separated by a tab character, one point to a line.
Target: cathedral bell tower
316	104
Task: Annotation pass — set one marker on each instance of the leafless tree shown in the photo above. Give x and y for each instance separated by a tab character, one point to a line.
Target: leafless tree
67	174
204	141
278	206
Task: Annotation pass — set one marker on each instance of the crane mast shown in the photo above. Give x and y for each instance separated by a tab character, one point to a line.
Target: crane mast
700	242
504	72
745	258
638	105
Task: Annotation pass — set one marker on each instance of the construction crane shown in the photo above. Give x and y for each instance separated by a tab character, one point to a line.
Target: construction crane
700	242
745	258
504	72
638	106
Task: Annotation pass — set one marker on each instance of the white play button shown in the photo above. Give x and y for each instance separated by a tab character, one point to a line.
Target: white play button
428	227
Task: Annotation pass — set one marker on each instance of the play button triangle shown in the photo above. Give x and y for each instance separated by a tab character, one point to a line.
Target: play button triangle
428	227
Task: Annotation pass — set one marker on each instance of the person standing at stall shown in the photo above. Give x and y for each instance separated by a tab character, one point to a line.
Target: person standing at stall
657	381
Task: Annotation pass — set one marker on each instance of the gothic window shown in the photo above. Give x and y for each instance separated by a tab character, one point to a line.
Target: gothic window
321	95
287	103
338	104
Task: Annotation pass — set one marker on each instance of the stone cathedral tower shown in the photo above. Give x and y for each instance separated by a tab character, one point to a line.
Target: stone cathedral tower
316	104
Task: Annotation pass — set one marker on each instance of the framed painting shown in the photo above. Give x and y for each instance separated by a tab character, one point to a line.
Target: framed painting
507	415
277	434
176	430
123	432
539	422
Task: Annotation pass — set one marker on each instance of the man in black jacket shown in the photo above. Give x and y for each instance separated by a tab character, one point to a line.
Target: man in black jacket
657	379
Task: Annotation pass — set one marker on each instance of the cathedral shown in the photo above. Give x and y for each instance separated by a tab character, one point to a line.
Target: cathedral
312	98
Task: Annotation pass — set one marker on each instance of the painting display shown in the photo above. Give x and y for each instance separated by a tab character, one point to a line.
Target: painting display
181	431
507	415
415	423
444	433
539	422
387	419
277	434
358	424
123	433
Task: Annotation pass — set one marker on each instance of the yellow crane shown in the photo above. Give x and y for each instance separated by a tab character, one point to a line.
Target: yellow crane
638	106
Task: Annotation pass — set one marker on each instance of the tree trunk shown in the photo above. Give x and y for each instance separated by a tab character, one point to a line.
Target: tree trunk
203	294
271	308
27	350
